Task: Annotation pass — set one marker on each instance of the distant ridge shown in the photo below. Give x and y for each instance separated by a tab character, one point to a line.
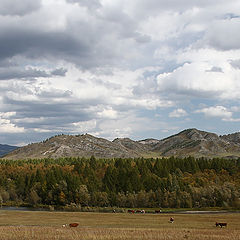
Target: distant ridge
5	149
189	142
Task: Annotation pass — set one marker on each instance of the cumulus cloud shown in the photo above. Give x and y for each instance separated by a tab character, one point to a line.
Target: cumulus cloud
200	78
217	111
84	126
177	113
109	67
107	113
6	126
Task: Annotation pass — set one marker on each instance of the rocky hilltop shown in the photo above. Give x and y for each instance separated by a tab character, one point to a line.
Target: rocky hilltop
190	142
199	144
72	146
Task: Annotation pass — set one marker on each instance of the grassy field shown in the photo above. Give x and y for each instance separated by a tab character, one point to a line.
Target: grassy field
27	225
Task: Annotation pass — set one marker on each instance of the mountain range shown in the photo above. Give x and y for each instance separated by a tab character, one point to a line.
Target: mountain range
190	142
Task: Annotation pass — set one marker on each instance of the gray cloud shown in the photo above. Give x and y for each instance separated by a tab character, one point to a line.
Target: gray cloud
215	69
18	7
78	61
59	72
219	32
19	73
49	115
36	44
93	4
235	63
146	8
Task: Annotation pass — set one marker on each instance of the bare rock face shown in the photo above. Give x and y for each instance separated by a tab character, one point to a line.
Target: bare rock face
190	142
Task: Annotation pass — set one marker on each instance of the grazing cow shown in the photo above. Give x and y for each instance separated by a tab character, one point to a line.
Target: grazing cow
158	211
140	211
131	211
221	224
73	225
171	220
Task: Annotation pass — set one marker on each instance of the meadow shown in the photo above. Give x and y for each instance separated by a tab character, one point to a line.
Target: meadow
116	226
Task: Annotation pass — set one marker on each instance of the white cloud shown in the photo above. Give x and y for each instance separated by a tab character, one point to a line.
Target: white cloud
177	113
41	130
7	114
84	126
91	64
231	119
194	78
217	111
108	114
7	127
127	125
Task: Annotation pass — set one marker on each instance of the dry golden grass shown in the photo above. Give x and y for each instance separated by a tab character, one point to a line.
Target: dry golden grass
105	226
82	233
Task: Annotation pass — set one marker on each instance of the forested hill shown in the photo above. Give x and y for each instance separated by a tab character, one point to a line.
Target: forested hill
78	182
190	142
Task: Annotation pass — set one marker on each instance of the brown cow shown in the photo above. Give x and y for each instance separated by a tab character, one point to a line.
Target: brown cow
131	211
221	224
73	225
140	211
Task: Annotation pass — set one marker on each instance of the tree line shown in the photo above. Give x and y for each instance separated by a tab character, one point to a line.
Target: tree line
157	183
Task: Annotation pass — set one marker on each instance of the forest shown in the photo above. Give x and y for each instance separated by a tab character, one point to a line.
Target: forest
121	183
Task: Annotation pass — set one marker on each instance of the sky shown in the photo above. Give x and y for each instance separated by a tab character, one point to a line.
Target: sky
118	68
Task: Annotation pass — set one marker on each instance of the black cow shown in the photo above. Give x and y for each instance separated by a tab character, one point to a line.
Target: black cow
221	224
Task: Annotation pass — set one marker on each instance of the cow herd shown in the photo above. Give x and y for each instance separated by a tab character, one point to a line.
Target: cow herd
171	220
136	211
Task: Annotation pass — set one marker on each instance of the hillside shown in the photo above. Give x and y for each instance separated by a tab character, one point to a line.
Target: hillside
190	142
132	145
199	144
72	146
